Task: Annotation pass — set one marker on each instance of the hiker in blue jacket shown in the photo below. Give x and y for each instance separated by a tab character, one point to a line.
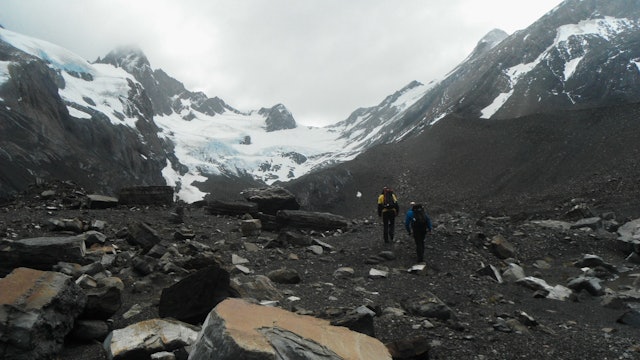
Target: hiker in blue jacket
418	223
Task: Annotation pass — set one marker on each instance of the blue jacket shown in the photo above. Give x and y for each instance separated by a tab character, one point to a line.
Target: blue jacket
409	217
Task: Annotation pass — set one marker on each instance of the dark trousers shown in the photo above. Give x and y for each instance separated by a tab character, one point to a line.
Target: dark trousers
388	225
418	237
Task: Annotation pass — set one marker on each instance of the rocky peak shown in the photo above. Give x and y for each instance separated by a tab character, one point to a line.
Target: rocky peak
278	118
130	58
488	42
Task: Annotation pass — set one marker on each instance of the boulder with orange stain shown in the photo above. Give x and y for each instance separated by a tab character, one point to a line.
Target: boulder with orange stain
237	329
37	310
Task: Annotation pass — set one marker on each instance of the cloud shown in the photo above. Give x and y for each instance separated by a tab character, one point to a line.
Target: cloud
320	58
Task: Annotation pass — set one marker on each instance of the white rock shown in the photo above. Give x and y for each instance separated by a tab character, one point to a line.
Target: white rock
150	336
243	269
377	274
237	260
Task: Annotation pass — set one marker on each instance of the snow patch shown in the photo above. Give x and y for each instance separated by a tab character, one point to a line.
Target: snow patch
516	72
439	117
410	96
606	28
109	89
58	57
495	105
571	66
78	113
232	144
188	191
4	71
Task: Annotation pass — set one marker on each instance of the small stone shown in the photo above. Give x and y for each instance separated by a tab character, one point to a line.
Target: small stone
237	260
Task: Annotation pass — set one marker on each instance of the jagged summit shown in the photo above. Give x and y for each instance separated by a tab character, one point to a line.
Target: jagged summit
130	57
278	118
488	42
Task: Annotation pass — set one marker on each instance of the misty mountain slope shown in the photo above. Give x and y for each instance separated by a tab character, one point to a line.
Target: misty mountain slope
505	165
561	96
580	54
45	129
139	126
191	141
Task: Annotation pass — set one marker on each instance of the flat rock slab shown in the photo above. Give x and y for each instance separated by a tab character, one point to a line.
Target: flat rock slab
310	220
236	329
96	201
146	195
40	253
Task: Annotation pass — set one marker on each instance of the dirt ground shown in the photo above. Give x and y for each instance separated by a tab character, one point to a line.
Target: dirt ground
579	328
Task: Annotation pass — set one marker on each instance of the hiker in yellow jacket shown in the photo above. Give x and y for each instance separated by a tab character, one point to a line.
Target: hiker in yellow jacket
388	209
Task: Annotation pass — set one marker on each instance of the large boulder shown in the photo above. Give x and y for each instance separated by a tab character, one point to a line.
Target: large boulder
143	235
233	208
258	287
105	299
428	305
40	253
146	195
320	221
193	297
410	348
236	329
141	340
629	236
37	310
96	201
271	199
502	248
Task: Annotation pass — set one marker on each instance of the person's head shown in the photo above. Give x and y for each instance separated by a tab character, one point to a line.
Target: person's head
415	206
412	203
385	189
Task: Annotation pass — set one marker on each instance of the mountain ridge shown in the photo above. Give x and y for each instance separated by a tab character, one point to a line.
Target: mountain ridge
196	143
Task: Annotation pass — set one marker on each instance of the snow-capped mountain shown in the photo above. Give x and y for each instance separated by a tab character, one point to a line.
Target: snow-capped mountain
583	53
118	122
196	137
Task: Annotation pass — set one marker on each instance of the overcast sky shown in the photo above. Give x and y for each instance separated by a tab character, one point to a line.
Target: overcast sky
322	59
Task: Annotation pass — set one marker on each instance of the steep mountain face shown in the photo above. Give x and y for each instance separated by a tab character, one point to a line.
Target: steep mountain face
167	94
562	100
124	111
383	123
47	130
122	122
501	166
584	53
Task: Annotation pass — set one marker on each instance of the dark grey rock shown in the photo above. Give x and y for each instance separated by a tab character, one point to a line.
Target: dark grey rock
410	348
233	208
310	220
40	253
146	195
429	306
192	298
86	330
95	201
143	235
284	276
104	300
271	199
630	317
